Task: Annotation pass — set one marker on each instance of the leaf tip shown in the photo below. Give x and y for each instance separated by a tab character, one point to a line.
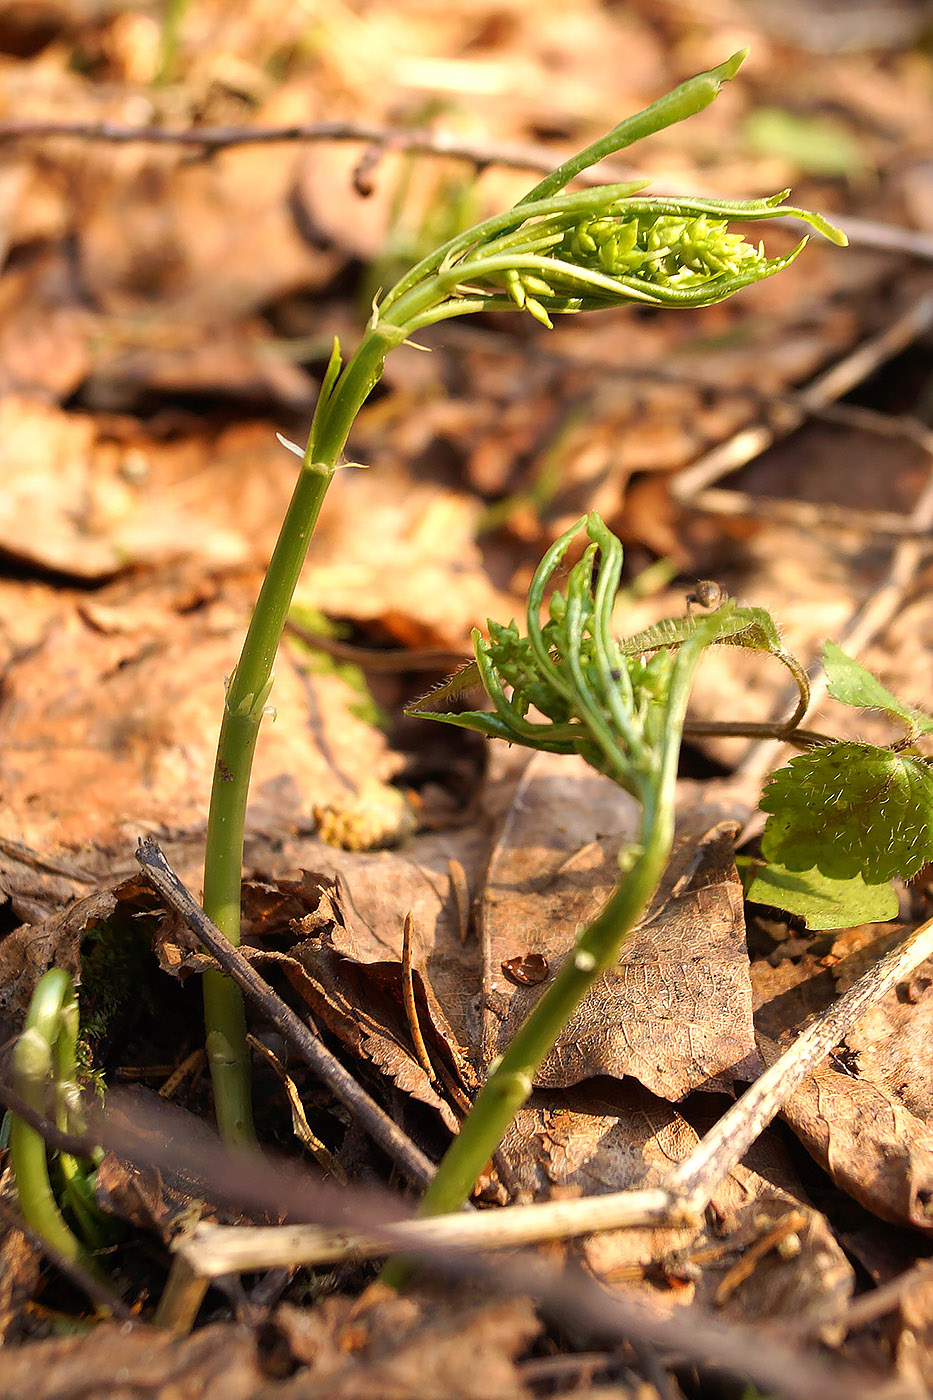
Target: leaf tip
728	70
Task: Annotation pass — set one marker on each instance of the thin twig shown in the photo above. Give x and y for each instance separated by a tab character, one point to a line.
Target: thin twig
191	1064
678	1201
216	1250
578	1305
726	1143
300	1125
843	376
151	1133
868	1308
389	1136
461	891
537	159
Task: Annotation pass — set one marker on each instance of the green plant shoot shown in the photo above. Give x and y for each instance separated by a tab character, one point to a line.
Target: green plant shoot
44	1076
620	705
553	253
569	686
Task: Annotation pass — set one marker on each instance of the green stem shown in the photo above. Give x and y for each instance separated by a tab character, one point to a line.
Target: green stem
596	949
246	699
53	1012
511	1078
691	97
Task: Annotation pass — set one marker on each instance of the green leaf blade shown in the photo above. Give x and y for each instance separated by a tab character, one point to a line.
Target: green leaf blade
822	902
852	684
850	809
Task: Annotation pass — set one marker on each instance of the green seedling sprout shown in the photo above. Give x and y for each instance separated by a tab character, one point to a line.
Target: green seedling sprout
553	253
44	1076
571	686
620	705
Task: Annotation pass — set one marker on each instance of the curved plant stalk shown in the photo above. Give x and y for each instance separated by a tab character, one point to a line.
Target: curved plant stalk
625	716
553	253
44	1075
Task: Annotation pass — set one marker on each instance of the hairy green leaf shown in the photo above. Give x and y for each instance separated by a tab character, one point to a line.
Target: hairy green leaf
850	809
817	899
850	682
741	627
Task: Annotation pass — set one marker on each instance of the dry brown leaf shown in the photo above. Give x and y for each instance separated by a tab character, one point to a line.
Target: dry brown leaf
871	1145
403	553
119	1361
891	1041
27	951
346	963
605	1136
215	239
676	1011
850	1114
110	725
362	1005
597	1137
913	1333
377	889
105	504
406	1347
45	336
20	1266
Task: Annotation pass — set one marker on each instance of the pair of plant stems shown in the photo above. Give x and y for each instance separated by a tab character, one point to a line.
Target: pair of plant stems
552	253
44	1058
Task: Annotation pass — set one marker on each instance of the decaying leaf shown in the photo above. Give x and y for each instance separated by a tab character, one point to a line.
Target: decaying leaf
606	1136
676	1012
407	1347
874	1141
20	1265
134	1363
110	724
27	951
892	1041
871	1145
416	569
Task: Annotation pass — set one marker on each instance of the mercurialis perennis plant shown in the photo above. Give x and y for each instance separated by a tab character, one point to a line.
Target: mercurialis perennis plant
553	253
845	817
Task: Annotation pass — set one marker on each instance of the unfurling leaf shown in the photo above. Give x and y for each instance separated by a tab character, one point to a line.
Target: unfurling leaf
851	809
851	683
817	899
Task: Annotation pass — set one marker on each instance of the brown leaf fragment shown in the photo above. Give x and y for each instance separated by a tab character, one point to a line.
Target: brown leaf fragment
913	1334
892	1040
358	900
110	729
605	1136
20	1265
864	1116
676	1010
123	1362
29	950
363	1005
870	1144
596	1137
406	1347
417	568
